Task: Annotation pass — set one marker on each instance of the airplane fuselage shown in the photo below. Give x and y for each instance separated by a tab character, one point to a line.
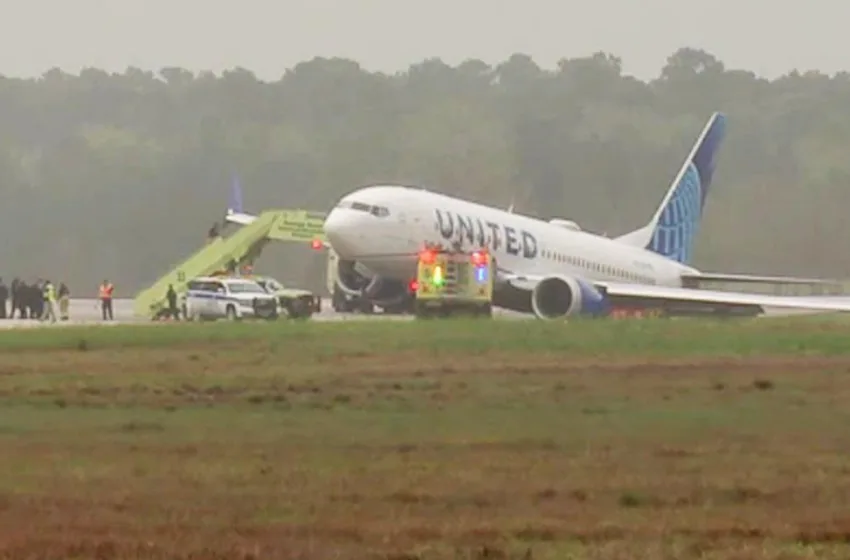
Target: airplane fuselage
384	227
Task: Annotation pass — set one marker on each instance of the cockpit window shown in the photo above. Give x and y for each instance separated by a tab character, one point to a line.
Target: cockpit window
378	211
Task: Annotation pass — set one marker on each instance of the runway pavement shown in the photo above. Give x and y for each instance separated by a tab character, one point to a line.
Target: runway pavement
87	312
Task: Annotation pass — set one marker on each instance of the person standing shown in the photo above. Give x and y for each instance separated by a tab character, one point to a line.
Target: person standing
171	296
16	294
213	233
64	301
27	303
36	299
21	294
4	297
105	293
49	302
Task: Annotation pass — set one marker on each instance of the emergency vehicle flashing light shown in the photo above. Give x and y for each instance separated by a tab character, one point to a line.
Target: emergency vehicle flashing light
413	286
317	244
427	256
438	276
479	258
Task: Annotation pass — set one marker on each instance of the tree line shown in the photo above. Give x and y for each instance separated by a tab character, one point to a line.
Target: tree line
121	175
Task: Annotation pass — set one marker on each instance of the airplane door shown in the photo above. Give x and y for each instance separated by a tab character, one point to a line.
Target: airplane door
401	217
411	222
407	216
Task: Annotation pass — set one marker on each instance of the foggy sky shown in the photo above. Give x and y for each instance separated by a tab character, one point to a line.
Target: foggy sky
269	36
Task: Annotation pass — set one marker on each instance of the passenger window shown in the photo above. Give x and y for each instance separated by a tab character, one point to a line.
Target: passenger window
380	211
193	286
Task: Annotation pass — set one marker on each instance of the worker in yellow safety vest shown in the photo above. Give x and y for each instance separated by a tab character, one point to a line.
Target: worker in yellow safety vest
105	294
49	294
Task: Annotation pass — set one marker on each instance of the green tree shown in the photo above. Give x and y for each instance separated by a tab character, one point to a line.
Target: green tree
122	174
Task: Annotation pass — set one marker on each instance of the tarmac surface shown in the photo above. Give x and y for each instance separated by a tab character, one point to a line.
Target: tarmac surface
87	312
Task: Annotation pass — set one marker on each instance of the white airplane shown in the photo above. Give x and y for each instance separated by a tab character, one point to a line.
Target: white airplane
551	269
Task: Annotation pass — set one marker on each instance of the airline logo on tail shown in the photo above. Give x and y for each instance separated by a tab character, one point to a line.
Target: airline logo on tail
678	219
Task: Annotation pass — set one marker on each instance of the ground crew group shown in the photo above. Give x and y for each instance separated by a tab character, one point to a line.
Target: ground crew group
40	300
36	300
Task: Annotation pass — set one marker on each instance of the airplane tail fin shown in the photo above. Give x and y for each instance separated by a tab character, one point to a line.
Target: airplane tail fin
235	213
673	229
235	195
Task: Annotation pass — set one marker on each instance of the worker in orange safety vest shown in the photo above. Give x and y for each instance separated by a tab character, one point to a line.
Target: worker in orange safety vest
105	294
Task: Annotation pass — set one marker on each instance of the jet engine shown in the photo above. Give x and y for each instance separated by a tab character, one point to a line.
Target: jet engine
556	297
357	281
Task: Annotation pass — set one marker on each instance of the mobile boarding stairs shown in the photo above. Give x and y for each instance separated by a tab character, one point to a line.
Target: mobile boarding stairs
230	253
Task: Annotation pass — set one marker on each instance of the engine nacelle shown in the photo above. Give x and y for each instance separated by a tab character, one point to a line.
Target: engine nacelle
556	297
357	281
566	224
351	280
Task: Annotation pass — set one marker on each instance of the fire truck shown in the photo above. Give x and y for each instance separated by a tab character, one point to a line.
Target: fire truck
453	282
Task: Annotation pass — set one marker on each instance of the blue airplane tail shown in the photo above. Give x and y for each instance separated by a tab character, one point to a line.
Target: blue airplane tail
235	195
674	227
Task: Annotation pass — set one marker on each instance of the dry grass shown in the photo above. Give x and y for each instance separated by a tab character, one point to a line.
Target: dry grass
216	449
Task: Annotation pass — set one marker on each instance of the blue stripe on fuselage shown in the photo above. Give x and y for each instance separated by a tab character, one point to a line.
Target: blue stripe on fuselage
208	295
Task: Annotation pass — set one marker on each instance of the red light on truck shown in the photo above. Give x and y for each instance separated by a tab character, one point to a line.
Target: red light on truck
479	258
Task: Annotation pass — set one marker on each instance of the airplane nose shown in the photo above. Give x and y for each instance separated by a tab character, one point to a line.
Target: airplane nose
341	229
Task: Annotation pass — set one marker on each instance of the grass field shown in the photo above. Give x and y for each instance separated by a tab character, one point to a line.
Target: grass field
506	439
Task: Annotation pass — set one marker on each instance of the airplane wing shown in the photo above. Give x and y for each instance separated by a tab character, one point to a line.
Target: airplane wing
709	297
748	278
657	294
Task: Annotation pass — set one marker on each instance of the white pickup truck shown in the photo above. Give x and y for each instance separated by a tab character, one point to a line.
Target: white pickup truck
296	303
